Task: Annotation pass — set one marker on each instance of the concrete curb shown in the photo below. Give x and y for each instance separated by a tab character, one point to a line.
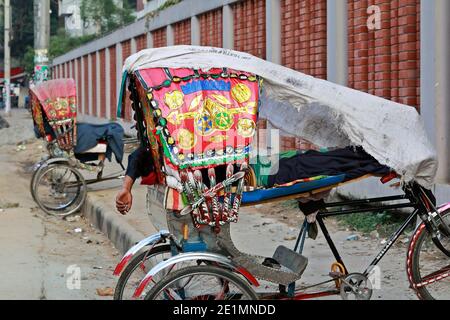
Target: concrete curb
120	232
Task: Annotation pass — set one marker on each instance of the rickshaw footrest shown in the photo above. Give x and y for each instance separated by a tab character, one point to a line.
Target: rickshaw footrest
290	259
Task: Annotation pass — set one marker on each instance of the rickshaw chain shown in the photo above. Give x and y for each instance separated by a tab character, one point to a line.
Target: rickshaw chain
318	284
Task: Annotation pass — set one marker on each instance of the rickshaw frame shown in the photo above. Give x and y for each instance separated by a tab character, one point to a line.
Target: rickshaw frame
59	154
417	197
290	292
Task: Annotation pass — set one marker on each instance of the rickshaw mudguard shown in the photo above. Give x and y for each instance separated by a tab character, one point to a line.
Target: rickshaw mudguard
193	256
149	241
54	160
444	207
44	163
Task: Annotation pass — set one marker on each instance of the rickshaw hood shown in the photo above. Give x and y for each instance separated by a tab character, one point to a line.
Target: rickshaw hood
325	113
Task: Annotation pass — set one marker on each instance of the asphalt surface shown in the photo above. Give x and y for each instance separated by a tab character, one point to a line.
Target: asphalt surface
43	257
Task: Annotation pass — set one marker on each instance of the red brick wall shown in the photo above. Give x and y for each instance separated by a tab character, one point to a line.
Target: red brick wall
250	27
383	62
126	52
159	38
211	28
95	90
141	42
113	78
86	85
182	32
304	36
126	49
139	5
386	62
79	84
102	84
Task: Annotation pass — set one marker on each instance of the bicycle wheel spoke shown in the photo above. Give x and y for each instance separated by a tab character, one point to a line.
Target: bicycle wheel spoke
202	282
60	189
172	294
221	294
435	276
429	267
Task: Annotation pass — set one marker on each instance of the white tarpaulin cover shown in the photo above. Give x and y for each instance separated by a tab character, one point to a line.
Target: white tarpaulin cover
320	111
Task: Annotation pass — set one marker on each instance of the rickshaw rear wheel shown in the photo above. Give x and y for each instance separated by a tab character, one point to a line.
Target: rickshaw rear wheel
59	189
33	178
425	258
40	166
180	283
157	254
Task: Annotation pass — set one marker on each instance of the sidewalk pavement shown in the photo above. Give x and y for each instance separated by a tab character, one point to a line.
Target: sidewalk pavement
259	230
259	234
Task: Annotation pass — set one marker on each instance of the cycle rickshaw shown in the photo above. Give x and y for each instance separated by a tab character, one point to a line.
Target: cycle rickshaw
196	110
57	185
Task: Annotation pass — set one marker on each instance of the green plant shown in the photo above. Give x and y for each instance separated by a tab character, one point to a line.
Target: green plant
59	44
168	4
62	43
384	222
105	14
290	204
162	7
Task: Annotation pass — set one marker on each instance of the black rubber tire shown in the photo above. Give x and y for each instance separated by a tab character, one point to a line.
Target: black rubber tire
43	164
133	264
33	181
422	292
202	269
78	200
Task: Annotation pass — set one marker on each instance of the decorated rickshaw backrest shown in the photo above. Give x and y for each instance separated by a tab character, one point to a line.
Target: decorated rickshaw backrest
200	118
56	99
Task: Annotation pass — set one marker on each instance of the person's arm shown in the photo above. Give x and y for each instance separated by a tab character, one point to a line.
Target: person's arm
139	162
124	198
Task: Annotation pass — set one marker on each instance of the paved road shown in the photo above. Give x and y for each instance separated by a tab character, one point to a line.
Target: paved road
41	255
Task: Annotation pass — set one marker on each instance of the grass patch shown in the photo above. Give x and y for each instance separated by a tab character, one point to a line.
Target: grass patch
289	204
384	222
365	222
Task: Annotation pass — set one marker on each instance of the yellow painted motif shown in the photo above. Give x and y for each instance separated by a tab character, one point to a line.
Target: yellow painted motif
246	127
218	139
204	124
221	99
211	111
186	139
195	102
241	93
174	99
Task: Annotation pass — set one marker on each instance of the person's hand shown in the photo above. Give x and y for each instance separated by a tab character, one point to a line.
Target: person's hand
124	200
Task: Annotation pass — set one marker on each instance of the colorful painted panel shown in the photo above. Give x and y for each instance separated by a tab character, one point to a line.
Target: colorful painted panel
36	112
57	98
202	118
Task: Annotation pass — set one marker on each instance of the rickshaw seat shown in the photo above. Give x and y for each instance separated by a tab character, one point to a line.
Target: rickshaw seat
261	195
99	148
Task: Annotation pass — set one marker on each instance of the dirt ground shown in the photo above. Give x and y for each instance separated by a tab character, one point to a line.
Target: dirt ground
55	245
45	257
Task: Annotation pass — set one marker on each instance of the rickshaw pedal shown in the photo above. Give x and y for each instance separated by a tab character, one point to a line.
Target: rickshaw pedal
290	259
271	263
336	275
